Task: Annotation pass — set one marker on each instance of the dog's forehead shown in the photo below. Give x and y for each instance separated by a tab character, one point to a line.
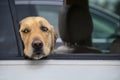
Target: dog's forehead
35	21
43	22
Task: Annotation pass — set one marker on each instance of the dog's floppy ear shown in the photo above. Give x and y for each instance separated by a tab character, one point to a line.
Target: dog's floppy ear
20	25
20	35
54	37
20	28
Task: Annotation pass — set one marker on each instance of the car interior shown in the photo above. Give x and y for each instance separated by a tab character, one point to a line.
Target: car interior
75	27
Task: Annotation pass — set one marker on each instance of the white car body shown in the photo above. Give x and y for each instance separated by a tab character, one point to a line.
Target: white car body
60	70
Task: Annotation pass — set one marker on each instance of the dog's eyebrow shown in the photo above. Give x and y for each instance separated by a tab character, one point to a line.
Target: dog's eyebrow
25	26
43	22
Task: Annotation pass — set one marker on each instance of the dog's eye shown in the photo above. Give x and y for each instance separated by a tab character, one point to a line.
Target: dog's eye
43	28
26	31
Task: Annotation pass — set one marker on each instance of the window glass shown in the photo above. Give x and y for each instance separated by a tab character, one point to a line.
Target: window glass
110	5
105	21
50	12
103	33
104	27
7	36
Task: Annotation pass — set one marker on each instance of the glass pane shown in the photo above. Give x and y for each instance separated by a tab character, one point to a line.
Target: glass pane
105	24
102	27
113	6
8	44
50	12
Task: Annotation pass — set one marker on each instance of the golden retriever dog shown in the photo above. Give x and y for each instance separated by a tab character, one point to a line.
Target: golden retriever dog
38	36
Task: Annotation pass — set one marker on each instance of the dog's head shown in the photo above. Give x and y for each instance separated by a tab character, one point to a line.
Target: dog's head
38	37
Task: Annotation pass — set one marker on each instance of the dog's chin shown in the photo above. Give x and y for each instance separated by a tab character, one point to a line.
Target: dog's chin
37	56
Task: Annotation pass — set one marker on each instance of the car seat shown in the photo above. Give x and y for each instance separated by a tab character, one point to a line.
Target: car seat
115	46
75	27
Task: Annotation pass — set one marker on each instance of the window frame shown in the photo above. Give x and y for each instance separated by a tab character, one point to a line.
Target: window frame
12	8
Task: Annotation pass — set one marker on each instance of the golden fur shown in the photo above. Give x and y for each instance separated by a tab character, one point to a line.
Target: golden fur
32	26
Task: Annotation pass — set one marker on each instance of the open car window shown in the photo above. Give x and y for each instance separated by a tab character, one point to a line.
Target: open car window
103	34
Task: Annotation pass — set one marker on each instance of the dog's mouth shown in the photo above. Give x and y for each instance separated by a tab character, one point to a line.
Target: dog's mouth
37	54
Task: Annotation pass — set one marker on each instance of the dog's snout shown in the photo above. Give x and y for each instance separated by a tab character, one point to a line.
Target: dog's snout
37	44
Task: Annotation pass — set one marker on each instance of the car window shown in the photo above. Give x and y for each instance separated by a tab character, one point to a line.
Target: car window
50	11
109	5
8	45
103	33
103	28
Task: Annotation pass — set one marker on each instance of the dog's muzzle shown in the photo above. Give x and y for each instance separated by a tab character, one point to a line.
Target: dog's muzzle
37	46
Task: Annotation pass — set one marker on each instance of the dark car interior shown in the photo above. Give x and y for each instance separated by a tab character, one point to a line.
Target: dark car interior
75	29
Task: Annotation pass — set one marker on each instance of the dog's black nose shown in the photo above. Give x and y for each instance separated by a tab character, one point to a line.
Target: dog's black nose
37	44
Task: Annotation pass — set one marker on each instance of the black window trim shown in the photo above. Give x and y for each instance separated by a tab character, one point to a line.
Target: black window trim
12	8
68	56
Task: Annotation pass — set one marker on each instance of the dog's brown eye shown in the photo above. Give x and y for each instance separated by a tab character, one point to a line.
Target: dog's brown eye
26	31
43	28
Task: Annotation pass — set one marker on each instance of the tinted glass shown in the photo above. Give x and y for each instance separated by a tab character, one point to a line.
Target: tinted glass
104	26
50	12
